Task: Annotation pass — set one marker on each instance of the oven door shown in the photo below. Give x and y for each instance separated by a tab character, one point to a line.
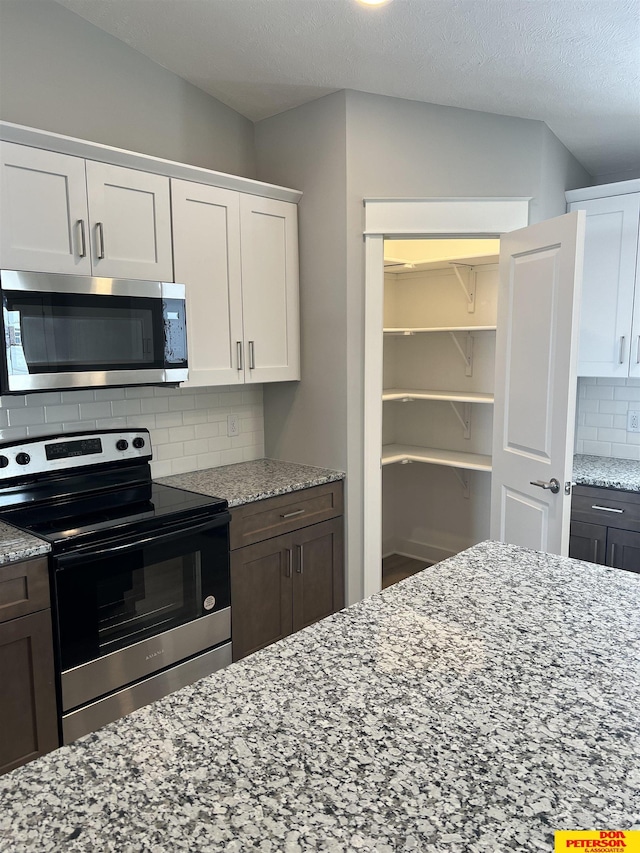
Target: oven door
64	331
138	605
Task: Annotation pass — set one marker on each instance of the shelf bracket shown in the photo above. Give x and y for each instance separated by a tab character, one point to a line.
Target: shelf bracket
466	352
464	417
466	276
464	482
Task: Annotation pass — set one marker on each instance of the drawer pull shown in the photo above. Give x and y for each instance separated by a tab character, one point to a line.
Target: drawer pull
291	514
607	509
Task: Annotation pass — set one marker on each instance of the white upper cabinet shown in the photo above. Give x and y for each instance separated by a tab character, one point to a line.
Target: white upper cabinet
610	324
62	214
269	235
43	211
237	255
206	248
130	223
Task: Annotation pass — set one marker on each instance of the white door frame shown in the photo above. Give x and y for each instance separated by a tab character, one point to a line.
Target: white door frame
401	219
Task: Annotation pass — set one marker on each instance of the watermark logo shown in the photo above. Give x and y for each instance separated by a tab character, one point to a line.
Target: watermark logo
598	839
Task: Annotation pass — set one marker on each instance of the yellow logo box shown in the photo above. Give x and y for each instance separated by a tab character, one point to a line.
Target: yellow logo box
598	839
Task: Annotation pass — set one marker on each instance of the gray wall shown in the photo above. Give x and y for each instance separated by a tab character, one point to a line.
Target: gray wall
306	421
60	73
392	148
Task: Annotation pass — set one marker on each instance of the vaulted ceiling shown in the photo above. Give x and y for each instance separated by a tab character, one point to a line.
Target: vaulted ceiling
574	64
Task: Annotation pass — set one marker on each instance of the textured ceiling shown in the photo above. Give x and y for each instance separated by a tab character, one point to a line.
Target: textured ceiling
572	63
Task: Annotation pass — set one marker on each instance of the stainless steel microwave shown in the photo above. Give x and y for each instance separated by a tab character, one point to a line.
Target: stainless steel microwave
71	331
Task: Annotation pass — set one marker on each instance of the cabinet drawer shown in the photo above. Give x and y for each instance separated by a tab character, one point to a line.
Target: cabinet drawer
24	588
606	506
261	520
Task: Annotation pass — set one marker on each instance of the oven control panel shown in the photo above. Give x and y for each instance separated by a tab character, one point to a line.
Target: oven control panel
75	450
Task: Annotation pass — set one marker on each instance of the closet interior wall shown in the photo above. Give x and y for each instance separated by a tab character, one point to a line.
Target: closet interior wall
431	511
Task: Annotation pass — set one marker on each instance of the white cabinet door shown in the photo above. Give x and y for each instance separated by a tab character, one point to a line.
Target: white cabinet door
535	391
130	223
269	233
206	247
611	246
43	211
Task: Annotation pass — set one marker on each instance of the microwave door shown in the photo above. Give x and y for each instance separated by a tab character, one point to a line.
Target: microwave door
75	332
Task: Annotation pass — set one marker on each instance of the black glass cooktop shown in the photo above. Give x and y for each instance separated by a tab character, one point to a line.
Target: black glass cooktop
76	521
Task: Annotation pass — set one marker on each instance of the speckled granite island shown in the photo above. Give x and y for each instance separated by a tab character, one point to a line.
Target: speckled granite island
606	472
473	708
245	482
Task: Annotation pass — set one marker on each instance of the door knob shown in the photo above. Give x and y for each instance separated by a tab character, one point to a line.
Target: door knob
553	485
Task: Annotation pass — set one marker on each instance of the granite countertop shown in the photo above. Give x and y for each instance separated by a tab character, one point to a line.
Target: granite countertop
606	472
17	545
474	707
245	482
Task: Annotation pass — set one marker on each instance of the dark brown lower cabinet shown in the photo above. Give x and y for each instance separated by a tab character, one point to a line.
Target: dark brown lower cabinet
588	542
623	550
605	527
285	583
28	717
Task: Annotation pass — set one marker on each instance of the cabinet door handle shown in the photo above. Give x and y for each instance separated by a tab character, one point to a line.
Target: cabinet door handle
638	351
596	543
100	240
239	354
287	570
83	243
607	509
622	340
252	356
291	514
612	555
300	566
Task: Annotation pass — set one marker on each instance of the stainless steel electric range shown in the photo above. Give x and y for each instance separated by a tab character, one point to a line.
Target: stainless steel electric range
139	571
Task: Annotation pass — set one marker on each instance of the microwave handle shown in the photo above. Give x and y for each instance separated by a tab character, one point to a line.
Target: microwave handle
87	554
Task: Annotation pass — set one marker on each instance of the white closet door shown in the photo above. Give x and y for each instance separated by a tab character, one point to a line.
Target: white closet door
130	223
535	391
269	233
206	241
611	245
43	211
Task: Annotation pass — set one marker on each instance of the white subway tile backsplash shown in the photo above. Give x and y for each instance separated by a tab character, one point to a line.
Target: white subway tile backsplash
182	433
596	448
48	398
125	407
602	408
182	404
597	420
628	392
168	419
153	405
25	416
599	392
60	414
208	430
96	410
188	426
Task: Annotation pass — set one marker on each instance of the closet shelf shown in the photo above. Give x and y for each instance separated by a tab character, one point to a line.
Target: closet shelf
403	265
392	453
410	330
451	396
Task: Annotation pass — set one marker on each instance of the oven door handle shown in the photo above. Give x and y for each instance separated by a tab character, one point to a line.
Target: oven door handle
65	560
